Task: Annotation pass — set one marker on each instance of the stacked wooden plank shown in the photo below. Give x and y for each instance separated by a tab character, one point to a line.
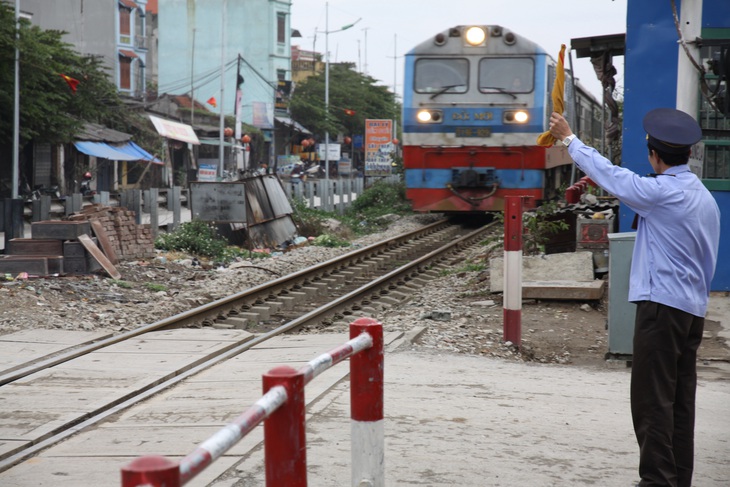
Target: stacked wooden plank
44	253
67	247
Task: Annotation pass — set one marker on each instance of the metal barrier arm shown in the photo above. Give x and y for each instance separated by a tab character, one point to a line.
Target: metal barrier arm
335	356
282	408
224	439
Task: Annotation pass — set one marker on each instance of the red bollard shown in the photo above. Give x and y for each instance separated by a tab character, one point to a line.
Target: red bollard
366	406
366	373
571	195
285	445
151	471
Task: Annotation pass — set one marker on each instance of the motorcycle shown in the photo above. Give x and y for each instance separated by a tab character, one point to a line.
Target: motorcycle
313	169
85	188
52	191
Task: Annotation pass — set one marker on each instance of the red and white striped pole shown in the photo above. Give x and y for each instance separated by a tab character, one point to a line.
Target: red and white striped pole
512	302
285	442
215	446
366	407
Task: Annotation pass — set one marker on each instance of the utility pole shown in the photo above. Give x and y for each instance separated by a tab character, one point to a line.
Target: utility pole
237	112
192	83
395	96
16	107
221	103
327	33
365	29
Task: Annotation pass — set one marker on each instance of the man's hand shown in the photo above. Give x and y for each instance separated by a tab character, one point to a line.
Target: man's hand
559	127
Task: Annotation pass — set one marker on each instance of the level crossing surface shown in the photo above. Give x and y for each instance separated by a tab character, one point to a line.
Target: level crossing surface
449	420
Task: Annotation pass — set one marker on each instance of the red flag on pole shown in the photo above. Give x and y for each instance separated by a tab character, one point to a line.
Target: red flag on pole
72	83
211	101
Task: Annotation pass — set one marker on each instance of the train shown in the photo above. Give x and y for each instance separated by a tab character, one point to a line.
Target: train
475	99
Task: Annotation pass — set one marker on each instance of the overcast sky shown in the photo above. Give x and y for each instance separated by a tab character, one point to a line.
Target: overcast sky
393	27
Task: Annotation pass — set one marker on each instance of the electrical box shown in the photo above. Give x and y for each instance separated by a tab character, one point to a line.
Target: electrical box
621	313
592	235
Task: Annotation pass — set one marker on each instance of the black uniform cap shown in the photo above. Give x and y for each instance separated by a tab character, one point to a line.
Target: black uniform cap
671	131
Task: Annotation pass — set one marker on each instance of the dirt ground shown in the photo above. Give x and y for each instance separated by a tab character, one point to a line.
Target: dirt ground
555	327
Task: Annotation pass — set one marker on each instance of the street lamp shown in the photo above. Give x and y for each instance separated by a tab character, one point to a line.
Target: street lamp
327	32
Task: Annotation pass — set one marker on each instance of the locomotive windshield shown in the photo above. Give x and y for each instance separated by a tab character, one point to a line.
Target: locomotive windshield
510	75
441	75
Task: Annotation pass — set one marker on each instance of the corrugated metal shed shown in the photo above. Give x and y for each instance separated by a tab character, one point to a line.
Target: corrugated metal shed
93	132
267	209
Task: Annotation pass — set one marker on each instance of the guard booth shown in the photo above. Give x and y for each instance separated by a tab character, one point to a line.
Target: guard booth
683	64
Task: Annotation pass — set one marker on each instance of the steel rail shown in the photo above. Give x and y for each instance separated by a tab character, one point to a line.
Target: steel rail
215	308
414	267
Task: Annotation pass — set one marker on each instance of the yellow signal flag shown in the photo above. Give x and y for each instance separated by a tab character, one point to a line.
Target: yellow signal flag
546	139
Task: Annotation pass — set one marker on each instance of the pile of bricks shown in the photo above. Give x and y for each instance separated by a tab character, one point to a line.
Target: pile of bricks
129	240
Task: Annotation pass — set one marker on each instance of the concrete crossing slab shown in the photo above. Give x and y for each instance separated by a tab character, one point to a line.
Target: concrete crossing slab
176	421
40	403
54	472
21	347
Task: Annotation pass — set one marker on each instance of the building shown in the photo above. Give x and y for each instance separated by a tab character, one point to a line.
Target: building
198	40
305	63
115	32
660	73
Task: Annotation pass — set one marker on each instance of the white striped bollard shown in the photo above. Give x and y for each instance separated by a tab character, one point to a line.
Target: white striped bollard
512	302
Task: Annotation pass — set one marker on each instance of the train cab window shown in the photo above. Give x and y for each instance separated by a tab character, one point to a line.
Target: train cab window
441	76
510	75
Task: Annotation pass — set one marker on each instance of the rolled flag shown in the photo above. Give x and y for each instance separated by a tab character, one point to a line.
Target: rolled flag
211	101
72	83
546	139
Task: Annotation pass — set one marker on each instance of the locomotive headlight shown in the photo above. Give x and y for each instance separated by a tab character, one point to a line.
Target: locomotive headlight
519	116
429	116
475	36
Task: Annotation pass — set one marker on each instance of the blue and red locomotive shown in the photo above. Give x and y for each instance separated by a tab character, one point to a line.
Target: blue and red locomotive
475	100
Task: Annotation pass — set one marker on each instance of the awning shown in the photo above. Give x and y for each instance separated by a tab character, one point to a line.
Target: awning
128	54
127	152
210	141
295	125
134	150
175	130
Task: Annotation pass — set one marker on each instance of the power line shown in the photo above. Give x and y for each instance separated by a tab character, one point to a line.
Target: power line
201	80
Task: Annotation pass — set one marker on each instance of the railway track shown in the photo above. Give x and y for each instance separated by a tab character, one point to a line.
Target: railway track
320	299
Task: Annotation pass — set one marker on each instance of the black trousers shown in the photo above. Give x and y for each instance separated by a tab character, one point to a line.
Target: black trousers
663	386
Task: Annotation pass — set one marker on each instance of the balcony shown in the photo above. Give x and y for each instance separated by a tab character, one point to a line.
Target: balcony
141	42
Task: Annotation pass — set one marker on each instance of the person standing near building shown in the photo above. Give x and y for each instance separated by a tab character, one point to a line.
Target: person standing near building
675	254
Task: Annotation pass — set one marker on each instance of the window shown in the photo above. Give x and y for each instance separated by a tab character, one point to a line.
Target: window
281	28
715	123
125	73
125	24
441	75
511	75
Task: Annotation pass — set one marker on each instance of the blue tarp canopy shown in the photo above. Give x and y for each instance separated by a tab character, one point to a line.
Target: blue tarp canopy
133	149
128	151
